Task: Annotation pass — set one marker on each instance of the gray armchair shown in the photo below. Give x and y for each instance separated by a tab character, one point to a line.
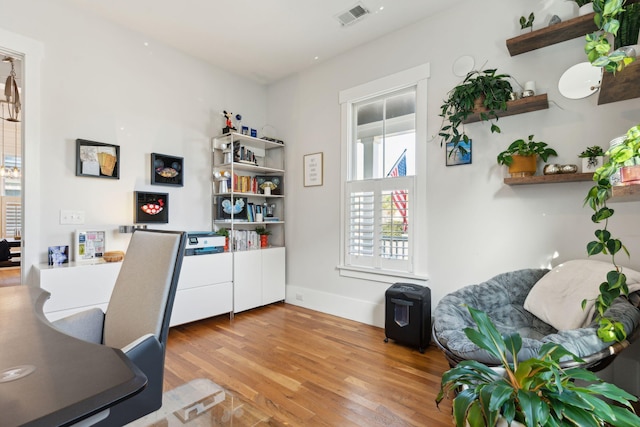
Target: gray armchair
503	299
137	317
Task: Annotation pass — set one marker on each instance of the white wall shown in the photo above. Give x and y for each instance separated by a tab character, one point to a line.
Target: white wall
477	226
105	83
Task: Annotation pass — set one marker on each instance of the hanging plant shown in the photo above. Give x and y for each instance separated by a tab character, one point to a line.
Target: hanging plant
483	91
627	153
598	48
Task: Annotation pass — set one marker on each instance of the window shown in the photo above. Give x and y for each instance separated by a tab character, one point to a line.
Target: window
380	134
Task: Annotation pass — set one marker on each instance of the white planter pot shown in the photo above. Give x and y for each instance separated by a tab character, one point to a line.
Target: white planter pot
591	167
586	9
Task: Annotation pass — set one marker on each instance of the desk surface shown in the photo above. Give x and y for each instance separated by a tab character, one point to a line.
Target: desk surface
70	380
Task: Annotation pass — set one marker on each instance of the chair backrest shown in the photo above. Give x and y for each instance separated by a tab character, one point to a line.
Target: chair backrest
142	298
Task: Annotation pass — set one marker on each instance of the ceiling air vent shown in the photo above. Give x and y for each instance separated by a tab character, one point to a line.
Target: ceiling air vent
352	15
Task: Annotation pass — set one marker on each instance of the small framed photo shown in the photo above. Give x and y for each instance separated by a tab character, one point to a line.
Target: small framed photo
96	159
150	208
167	170
58	255
313	170
460	155
227	206
89	245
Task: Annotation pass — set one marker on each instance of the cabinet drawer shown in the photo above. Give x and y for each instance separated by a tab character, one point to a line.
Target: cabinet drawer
203	270
202	302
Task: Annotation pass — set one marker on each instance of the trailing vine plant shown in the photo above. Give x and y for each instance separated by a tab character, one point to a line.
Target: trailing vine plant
597	47
627	153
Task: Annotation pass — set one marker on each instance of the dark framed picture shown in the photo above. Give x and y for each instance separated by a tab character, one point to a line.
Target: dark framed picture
226	206
167	170
97	159
151	208
460	155
275	183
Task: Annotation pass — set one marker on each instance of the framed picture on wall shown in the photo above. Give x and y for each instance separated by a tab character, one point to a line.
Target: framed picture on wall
312	165
151	208
167	170
460	155
97	159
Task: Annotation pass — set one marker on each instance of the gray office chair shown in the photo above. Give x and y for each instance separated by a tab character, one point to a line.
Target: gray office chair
137	317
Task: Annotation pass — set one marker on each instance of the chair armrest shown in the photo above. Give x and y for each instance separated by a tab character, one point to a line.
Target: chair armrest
86	325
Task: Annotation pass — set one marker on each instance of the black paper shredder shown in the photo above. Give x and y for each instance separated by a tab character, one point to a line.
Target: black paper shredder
408	315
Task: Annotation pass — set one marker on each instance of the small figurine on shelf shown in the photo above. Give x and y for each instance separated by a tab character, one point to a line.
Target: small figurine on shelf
228	123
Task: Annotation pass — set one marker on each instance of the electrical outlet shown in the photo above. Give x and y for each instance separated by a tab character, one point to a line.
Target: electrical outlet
299	297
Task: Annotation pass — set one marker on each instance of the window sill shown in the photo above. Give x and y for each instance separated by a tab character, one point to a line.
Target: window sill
384	276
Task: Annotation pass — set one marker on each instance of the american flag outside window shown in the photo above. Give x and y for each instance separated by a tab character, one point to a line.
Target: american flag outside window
400	196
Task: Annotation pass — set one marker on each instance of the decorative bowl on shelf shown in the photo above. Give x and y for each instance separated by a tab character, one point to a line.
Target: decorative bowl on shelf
113	256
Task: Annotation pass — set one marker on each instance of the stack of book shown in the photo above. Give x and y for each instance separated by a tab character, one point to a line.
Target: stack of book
244	240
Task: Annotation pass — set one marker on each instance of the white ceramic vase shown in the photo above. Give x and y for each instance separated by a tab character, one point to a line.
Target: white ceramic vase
586	9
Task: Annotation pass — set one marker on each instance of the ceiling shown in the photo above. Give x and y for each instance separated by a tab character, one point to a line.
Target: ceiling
264	40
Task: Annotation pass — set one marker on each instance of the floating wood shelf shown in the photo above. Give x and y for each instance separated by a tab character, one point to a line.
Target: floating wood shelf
622	85
567	30
519	106
548	179
625	193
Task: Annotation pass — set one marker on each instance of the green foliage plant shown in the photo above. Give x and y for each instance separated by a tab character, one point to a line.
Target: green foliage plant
534	392
527	23
521	147
615	285
263	231
493	88
223	232
597	47
629	27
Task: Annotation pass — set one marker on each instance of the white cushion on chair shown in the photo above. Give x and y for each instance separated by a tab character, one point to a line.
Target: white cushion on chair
557	297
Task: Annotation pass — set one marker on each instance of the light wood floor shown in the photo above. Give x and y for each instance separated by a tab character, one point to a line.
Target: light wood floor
307	368
9	276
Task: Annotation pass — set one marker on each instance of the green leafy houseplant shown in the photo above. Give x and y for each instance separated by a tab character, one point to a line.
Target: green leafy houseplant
527	23
534	392
520	147
597	47
493	89
592	153
625	154
629	27
263	231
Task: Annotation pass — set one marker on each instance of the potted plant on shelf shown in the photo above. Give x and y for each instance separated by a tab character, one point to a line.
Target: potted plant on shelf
534	392
527	23
584	7
592	158
264	233
522	156
598	48
629	29
224	232
484	92
620	156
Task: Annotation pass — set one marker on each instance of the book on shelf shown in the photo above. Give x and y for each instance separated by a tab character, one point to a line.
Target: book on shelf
245	240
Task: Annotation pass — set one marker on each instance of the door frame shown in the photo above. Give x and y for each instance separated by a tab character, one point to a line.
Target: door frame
31	52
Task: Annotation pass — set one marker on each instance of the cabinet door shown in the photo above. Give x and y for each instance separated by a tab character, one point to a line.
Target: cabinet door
273	271
247	280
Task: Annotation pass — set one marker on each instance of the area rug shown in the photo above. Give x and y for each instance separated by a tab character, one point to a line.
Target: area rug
203	403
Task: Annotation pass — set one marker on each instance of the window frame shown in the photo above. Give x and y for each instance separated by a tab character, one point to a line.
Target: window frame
416	76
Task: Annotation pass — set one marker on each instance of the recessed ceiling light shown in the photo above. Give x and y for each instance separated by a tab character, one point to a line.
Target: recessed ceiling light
316	58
